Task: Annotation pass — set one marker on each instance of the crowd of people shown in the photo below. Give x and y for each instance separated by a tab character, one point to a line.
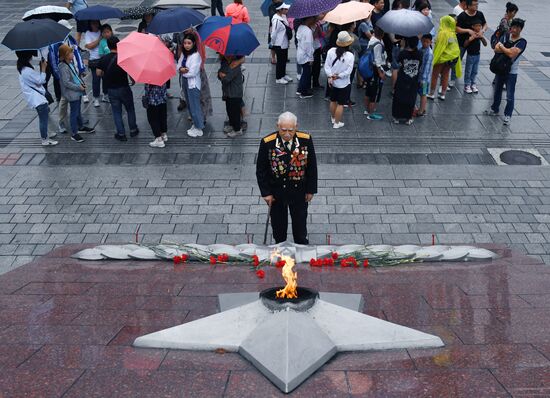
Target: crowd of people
363	52
359	52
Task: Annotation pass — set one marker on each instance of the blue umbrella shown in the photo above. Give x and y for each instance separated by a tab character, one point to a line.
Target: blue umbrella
97	13
220	35
175	20
265	6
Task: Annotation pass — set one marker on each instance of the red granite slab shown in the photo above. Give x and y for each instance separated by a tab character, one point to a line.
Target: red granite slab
71	324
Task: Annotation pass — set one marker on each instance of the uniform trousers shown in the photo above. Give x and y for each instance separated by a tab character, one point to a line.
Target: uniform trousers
297	204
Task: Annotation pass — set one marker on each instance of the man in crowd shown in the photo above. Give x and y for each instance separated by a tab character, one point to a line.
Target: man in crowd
286	171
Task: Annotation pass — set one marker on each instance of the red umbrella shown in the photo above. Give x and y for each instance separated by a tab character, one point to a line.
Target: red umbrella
146	59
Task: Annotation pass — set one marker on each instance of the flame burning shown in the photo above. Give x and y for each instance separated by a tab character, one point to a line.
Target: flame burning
291	278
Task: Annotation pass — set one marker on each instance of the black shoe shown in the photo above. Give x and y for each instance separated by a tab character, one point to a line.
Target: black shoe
306	95
86	130
134	133
77	138
121	137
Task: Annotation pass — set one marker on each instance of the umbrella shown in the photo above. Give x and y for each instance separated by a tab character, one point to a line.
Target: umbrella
146	58
138	12
309	8
265	6
194	4
406	23
35	34
349	12
220	35
97	13
50	12
175	20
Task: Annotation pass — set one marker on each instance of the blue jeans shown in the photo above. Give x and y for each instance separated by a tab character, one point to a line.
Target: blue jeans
470	71
304	85
118	97
453	73
76	116
96	83
194	105
510	79
43	112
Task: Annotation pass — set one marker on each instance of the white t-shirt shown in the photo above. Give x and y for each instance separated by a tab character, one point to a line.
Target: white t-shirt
458	10
90	37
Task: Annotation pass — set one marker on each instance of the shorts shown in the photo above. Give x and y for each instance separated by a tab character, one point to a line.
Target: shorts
423	88
395	50
374	88
82	26
340	95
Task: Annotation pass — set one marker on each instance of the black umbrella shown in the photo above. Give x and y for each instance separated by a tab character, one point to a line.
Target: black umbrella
138	12
35	34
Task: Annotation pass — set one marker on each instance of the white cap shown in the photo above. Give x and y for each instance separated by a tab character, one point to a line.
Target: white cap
65	23
283	6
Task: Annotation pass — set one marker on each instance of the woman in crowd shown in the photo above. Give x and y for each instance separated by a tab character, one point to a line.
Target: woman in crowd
145	22
231	76
72	88
32	86
279	41
238	12
92	38
446	56
189	66
155	99
406	85
504	25
338	68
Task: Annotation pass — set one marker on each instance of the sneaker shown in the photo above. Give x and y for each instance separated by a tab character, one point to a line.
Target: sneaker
85	99
287	78
409	122
490	112
366	113
121	137
430	96
451	83
474	89
51	135
441	97
164	137
96	102
468	89
86	130
234	134
157	143
48	142
338	125
105	98
302	96
375	116
298	93
192	133
77	138
507	120
134	133
227	129
281	81
198	133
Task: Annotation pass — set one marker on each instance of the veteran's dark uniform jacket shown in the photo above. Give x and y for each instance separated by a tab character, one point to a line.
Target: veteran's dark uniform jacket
280	170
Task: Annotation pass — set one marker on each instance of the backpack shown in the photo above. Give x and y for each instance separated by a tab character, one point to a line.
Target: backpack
497	34
366	63
501	64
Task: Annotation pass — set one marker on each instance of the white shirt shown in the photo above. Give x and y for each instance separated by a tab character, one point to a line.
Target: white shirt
278	31
90	37
35	79
458	10
342	67
304	52
193	63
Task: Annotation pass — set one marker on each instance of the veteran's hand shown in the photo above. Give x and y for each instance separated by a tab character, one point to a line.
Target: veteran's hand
269	199
309	197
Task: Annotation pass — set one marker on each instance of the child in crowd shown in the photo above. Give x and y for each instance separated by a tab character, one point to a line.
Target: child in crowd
232	79
425	73
473	50
189	67
373	91
106	32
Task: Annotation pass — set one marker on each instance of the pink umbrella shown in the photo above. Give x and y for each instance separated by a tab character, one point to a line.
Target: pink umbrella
351	11
146	59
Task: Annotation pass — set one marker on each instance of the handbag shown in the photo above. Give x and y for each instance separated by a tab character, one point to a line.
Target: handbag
46	95
288	32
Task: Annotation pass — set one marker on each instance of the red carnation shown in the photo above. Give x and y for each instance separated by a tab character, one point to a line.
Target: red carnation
312	262
343	263
320	262
330	262
177	259
334	255
280	263
184	257
212	260
260	273
220	258
366	263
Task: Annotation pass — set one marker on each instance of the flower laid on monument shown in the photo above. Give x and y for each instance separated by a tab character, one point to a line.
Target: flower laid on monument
260	273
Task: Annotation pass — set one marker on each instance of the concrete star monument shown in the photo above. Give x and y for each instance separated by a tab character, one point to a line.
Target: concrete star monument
288	339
